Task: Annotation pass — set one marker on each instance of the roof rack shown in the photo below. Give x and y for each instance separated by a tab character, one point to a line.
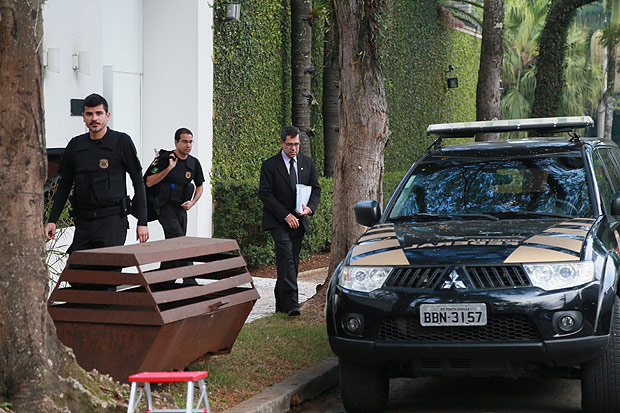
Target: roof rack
541	125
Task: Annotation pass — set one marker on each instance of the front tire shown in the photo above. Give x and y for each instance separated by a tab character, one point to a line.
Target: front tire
364	389
600	378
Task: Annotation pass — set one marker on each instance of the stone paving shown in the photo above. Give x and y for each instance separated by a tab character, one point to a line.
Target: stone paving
265	305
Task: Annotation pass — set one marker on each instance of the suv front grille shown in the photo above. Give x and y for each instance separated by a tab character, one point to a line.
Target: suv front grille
415	277
499	328
483	277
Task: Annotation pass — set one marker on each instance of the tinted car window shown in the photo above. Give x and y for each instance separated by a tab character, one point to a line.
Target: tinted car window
605	175
553	184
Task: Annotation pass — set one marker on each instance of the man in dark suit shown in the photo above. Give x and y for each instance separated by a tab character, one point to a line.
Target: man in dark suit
278	178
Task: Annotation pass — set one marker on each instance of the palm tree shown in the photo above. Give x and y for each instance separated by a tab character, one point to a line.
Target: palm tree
524	22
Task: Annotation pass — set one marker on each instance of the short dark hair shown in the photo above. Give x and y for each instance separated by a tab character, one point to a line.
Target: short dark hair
94	99
288	130
180	131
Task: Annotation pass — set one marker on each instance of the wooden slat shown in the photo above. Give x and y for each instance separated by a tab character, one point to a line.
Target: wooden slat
69	295
102	277
175	314
196	270
106	316
185	293
155	251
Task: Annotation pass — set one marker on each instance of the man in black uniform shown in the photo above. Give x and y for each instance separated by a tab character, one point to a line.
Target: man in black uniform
279	176
169	185
97	163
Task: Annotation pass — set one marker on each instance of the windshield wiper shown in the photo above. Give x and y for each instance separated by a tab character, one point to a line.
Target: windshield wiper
422	217
532	213
477	215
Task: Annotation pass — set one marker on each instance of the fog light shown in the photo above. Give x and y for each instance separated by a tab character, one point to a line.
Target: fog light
567	321
354	324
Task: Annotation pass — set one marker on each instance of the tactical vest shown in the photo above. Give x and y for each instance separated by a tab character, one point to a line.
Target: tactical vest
176	187
99	173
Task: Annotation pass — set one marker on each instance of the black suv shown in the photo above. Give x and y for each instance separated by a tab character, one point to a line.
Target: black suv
490	259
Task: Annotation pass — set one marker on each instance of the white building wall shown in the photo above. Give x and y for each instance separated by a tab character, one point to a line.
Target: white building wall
152	60
69	28
178	86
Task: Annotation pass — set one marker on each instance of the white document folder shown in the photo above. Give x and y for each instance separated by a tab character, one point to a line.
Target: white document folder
303	195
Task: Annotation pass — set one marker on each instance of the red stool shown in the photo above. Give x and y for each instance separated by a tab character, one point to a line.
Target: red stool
169	377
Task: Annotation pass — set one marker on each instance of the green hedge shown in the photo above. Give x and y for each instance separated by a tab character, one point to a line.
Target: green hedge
239	216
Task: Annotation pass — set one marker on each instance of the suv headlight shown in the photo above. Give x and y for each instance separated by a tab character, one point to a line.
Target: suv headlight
363	279
554	276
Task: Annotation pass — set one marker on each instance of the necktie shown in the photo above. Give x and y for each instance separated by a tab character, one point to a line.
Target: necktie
292	173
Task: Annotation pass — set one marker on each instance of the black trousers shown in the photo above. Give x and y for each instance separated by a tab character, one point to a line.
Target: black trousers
288	244
110	231
173	219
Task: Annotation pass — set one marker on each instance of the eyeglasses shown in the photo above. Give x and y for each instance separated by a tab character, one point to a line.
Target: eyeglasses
291	145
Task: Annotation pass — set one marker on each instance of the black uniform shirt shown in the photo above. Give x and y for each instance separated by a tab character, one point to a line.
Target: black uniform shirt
98	168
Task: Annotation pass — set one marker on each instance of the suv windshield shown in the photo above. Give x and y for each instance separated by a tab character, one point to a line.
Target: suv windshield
536	186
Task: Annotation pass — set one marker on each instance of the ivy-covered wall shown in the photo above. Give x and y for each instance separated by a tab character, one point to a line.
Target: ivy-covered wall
252	86
252	90
418	51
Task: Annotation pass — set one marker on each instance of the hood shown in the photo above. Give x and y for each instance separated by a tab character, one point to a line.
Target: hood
472	242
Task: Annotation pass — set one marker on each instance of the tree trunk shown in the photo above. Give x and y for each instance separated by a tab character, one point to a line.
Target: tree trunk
611	72
358	170
488	96
550	62
301	62
609	94
331	102
31	356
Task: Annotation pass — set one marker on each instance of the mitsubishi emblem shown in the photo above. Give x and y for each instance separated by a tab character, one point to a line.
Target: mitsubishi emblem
453	281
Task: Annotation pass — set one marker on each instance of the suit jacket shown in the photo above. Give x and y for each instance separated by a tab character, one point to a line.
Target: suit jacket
279	196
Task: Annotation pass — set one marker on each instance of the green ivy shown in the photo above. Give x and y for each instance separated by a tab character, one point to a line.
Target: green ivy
252	100
415	56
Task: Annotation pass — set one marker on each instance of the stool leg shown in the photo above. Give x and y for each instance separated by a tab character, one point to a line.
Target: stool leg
203	395
147	390
132	402
190	397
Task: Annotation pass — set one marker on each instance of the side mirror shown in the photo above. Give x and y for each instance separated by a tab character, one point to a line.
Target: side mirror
615	204
367	213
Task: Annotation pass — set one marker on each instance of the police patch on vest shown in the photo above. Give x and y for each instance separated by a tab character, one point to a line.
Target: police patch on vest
103	163
188	174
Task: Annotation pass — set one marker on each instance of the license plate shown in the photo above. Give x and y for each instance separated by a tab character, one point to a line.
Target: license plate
468	314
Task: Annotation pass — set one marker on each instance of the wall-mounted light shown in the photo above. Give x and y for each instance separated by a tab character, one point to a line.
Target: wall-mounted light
452	82
233	12
51	60
75	61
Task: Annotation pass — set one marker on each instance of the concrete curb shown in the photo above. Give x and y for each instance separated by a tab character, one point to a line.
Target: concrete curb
303	386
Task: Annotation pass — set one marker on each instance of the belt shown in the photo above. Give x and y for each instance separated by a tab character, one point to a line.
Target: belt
98	213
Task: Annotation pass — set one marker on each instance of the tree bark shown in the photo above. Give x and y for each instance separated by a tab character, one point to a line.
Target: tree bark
301	61
488	105
331	100
33	362
609	94
364	129
550	62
